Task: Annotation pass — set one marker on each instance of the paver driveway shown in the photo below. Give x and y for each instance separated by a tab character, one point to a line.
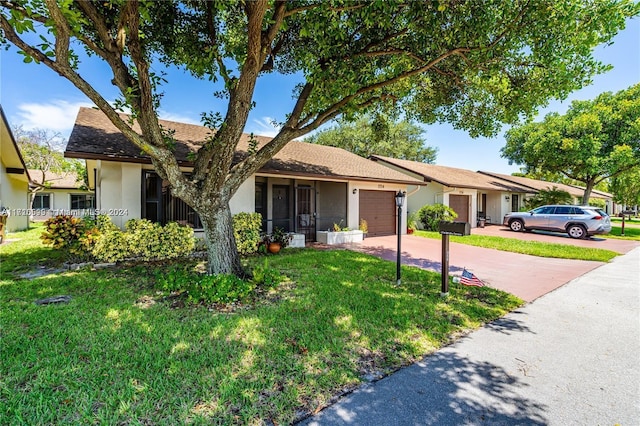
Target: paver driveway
528	277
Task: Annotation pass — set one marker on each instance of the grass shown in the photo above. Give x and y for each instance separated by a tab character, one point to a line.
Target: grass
533	248
630	232
27	253
120	354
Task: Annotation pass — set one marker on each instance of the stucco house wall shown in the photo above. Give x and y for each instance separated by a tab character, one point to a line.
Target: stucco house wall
14	179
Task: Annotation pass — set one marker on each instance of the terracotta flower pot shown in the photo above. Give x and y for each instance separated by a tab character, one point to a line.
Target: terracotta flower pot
274	247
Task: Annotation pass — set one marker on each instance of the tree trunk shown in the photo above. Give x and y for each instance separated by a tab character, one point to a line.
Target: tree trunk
220	242
587	192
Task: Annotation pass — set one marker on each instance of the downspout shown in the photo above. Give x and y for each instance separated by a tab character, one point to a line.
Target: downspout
98	185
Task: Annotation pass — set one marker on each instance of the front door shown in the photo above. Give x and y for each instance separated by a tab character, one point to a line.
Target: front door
306	212
281	208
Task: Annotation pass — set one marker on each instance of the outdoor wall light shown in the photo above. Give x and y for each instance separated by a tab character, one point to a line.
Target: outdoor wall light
506	198
354	191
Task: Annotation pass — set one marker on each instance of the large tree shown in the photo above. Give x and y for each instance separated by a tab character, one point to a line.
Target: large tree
376	134
594	141
626	188
476	64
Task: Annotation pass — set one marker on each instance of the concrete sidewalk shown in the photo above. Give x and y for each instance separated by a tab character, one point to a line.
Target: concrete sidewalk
569	358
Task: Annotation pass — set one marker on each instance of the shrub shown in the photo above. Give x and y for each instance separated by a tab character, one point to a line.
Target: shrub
111	246
246	229
145	241
431	215
265	276
222	288
64	232
548	196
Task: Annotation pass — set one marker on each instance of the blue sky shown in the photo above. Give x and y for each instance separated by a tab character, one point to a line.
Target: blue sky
34	96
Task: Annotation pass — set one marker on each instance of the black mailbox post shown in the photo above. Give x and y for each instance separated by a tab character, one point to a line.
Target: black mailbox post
446	229
455	228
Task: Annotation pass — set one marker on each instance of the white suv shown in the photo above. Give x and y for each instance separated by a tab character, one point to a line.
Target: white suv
577	221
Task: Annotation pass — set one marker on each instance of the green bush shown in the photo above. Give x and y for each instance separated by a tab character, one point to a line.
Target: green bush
265	276
222	288
144	240
431	215
111	246
246	229
65	232
176	279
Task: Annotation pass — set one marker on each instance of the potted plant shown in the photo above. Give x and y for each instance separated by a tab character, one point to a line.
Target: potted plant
412	222
277	240
364	227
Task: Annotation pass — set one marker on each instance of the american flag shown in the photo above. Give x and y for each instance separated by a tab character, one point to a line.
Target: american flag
468	278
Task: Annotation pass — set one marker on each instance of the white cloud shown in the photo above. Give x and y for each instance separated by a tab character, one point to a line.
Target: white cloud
265	127
164	115
56	115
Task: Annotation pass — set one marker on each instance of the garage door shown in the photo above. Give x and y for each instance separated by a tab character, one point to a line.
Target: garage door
378	208
460	205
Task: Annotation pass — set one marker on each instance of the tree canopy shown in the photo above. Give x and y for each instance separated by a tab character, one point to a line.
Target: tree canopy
595	140
42	150
475	64
626	187
369	135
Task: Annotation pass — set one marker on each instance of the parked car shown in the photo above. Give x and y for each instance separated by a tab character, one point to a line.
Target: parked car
577	221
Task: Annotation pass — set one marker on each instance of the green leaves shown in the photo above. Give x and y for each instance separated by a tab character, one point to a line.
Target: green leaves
377	135
593	141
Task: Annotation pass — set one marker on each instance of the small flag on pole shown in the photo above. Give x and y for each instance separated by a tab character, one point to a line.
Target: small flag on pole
468	278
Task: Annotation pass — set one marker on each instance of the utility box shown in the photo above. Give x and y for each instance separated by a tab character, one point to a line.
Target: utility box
455	228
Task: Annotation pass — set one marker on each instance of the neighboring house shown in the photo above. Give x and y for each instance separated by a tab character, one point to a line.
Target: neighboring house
305	188
470	194
14	180
59	193
540	185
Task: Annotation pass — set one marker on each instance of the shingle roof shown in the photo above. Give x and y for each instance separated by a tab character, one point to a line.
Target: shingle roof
53	180
95	137
454	177
540	185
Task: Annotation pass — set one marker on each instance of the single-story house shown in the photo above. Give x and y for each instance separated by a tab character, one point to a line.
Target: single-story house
540	185
470	194
59	193
305	188
14	181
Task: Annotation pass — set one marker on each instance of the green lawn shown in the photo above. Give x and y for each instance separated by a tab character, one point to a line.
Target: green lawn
533	248
630	232
119	353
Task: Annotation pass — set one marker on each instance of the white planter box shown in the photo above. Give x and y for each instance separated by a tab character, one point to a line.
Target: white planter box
297	241
342	237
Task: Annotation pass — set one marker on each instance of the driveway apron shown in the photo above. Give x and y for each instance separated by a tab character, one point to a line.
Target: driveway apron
528	277
570	358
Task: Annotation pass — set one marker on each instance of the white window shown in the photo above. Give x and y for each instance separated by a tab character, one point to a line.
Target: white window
42	201
82	201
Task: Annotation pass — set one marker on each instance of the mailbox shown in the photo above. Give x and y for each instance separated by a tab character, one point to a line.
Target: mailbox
455	228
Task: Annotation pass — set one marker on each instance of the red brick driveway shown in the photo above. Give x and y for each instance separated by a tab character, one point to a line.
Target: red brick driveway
528	277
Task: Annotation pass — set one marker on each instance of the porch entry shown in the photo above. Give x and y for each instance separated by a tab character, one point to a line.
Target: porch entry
460	205
159	205
302	207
